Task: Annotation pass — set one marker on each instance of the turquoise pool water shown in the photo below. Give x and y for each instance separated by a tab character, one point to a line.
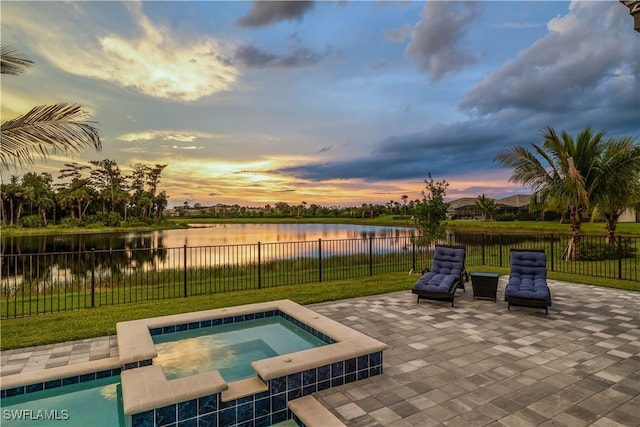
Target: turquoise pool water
230	348
94	403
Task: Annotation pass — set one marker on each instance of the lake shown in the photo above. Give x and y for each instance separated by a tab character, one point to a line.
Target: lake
199	235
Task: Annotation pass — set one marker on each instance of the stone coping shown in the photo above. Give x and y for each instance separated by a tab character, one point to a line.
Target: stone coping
135	343
147	388
44	375
312	413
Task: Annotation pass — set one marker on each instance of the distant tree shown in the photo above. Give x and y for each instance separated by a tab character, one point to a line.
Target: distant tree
404	198
43	128
488	206
430	213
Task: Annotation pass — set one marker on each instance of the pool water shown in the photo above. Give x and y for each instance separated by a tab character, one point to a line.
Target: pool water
95	403
230	348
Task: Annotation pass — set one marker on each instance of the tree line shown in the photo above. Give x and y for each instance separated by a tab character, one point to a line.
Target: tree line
99	193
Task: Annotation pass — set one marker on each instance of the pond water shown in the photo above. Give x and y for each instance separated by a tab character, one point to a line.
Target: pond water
199	235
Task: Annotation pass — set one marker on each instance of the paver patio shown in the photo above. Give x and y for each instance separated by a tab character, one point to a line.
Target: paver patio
475	364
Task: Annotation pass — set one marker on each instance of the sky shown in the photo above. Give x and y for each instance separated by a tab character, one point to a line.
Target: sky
336	103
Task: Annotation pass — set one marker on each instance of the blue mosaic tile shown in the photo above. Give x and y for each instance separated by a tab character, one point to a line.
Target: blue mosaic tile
324	373
294	394
16	391
250	316
270	313
103	374
227	417
307	390
278	417
376	370
263	421
34	387
248	423
228	404
206	323
350	366
208	420
168	329
143	419
155	331
309	376
131	365
182	327
3	394
278	385
278	402
246	399
193	422
363	362
116	371
207	404
349	378
323	385
259	315
363	374
238	319
216	322
188	409
375	358
294	380
337	381
337	369
263	407
147	362
245	412
166	415
194	325
262	395
52	384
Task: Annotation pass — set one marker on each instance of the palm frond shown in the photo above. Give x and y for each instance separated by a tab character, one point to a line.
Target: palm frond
45	129
11	63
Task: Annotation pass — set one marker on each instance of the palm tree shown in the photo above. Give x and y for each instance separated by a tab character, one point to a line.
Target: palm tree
619	181
43	129
561	169
489	207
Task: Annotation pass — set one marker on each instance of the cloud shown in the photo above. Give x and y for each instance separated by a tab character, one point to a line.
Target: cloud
166	135
585	62
265	13
156	63
435	40
397	34
189	147
255	57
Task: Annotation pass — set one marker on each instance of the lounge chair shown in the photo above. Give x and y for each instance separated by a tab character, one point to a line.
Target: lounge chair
527	285
445	276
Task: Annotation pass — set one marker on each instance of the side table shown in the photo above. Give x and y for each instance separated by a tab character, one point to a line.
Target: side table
485	285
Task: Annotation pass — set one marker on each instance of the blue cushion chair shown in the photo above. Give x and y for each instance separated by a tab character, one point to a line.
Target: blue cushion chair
527	285
445	276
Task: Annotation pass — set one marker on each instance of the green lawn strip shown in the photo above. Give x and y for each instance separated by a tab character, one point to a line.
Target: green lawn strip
87	323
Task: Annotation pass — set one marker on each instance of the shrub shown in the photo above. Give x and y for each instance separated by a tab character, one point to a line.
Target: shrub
590	251
32	221
507	216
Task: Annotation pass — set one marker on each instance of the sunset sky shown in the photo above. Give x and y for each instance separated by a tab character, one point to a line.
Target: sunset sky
328	102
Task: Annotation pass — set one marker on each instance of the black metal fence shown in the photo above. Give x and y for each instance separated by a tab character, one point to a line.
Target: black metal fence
35	284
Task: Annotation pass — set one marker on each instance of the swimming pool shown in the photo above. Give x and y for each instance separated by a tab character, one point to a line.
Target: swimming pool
96	403
230	348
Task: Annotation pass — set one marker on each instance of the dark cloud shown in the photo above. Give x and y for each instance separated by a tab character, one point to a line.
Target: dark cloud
584	72
271	12
435	41
587	59
324	149
255	57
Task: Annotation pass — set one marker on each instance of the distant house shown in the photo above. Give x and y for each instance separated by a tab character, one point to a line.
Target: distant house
466	208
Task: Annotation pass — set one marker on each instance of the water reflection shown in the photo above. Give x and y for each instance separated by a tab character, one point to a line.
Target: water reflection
109	256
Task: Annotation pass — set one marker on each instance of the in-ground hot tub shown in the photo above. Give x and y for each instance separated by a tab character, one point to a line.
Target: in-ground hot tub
150	398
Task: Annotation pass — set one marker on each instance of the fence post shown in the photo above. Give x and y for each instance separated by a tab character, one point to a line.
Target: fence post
319	260
185	270
370	255
413	252
552	254
620	257
500	247
93	277
259	266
